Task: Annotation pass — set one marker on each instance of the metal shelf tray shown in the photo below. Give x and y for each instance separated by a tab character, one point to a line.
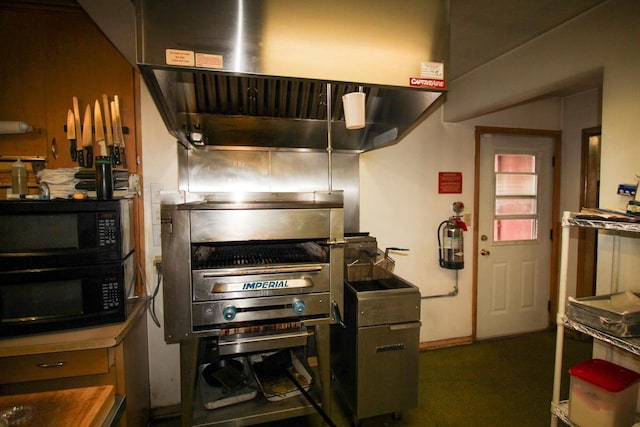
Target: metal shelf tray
256	411
631	345
632	227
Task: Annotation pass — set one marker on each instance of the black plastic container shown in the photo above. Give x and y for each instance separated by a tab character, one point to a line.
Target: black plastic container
104	178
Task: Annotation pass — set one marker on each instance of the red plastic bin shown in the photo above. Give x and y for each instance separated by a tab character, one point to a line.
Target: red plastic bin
602	394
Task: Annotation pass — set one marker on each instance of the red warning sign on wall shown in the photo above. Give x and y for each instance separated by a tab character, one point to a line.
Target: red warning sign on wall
450	182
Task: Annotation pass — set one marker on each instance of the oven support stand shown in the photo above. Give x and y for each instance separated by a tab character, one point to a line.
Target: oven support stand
323	344
188	369
189	352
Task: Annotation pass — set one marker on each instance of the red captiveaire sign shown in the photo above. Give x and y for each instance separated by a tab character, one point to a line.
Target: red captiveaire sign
427	83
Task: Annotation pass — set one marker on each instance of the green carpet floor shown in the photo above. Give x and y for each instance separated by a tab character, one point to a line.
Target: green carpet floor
503	382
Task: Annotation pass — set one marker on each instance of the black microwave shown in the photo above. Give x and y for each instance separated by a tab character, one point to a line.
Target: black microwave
50	233
65	297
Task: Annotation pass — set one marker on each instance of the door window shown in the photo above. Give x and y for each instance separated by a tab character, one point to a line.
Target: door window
516	198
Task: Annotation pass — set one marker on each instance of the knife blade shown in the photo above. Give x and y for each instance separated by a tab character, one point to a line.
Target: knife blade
87	137
76	116
109	125
116	148
99	129
71	134
121	148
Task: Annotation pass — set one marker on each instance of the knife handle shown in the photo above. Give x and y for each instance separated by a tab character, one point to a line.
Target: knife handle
89	156
123	156
74	153
80	155
116	155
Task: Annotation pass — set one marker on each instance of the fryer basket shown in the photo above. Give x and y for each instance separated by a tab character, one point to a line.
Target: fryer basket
370	266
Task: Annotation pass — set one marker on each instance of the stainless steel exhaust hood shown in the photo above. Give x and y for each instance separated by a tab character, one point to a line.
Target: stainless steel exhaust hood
250	73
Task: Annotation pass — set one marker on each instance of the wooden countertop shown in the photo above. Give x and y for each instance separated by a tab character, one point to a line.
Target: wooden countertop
76	339
82	407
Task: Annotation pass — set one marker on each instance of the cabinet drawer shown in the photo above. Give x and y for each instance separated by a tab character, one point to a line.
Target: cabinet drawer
53	365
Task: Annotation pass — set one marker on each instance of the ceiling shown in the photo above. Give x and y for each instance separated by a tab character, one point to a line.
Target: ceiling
482	30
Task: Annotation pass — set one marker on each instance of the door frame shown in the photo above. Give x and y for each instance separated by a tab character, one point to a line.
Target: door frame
556	137
589	196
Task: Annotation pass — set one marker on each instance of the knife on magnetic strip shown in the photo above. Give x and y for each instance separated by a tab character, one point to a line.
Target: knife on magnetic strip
99	129
71	135
87	138
116	138
76	116
108	123
121	150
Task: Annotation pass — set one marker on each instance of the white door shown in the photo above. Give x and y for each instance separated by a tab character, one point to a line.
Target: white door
514	226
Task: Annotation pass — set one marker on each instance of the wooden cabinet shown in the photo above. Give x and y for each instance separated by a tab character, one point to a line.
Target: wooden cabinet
50	54
54	365
108	355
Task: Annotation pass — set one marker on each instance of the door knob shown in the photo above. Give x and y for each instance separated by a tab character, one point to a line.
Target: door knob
484	252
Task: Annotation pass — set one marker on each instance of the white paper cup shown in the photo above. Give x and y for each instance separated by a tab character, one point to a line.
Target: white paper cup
353	104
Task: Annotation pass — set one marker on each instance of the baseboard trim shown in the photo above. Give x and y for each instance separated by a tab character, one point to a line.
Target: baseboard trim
451	342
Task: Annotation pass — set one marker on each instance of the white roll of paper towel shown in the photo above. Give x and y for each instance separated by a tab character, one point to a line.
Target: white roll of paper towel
8	127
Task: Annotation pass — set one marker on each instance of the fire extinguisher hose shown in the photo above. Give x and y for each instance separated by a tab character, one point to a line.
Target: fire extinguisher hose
440	251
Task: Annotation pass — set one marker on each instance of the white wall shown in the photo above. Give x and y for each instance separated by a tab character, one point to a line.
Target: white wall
160	170
400	205
620	133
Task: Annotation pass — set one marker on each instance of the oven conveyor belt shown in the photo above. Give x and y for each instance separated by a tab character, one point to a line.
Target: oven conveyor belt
223	256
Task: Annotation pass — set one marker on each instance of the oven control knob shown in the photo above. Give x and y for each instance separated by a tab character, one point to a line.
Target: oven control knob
229	313
299	306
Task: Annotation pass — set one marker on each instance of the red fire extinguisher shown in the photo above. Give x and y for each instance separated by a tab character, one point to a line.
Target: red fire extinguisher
451	240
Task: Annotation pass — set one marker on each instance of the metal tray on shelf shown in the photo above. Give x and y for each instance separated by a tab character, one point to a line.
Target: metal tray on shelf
274	383
616	314
219	395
